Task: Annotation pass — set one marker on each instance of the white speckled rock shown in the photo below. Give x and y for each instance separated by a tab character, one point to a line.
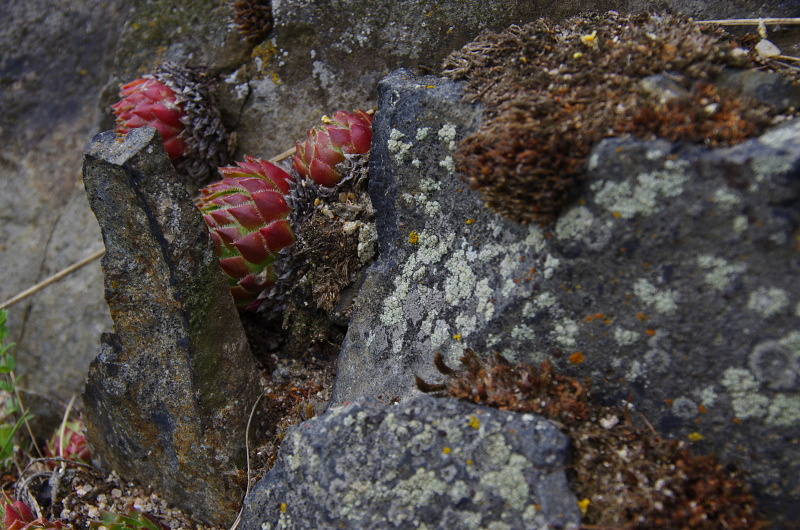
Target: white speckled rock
428	462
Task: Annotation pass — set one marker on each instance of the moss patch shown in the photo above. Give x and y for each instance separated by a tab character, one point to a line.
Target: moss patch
553	91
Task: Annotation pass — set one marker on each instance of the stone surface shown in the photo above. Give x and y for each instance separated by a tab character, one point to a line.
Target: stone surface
55	57
167	399
428	462
675	276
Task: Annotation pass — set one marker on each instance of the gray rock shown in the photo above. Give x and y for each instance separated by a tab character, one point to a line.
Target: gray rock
168	397
55	57
437	463
676	277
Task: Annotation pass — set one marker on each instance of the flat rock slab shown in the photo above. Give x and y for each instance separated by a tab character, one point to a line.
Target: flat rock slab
428	462
167	399
673	280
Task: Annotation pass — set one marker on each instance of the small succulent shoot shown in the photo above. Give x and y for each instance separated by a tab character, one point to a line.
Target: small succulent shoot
247	214
68	443
17	516
133	520
178	101
325	147
151	103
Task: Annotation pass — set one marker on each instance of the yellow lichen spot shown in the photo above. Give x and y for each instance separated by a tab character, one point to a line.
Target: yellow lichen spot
469	221
474	422
583	505
283	507
457	336
135	26
577	55
616	214
430	86
413	237
695	437
446	450
469	462
577	358
523	59
317	201
83	71
590	40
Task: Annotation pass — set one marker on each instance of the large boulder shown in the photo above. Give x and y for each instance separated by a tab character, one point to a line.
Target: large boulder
672	282
167	399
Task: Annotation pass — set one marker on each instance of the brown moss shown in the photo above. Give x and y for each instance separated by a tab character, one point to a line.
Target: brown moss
631	477
253	18
552	91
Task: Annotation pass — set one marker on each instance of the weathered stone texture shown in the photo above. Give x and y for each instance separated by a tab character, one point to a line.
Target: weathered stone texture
429	462
167	399
675	276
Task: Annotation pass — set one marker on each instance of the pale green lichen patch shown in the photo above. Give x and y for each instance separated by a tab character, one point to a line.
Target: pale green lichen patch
663	301
726	198
719	273
448	135
397	147
768	301
781	411
644	198
626	337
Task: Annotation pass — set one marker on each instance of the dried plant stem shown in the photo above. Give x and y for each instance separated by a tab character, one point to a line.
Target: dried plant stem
750	21
247	456
52	279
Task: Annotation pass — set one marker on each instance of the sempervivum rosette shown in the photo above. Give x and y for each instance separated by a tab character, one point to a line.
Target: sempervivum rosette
247	214
178	101
326	146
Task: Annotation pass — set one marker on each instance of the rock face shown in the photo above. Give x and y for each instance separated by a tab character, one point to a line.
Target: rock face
51	74
433	462
672	281
167	399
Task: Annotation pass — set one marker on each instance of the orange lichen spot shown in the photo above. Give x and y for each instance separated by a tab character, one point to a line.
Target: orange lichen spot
668	401
616	214
702	409
446	450
599	316
589	318
737	421
577	358
474	422
645	264
413	237
695	437
641	317
650	331
608	321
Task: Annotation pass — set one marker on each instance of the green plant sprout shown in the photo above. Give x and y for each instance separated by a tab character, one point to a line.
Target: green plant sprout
13	414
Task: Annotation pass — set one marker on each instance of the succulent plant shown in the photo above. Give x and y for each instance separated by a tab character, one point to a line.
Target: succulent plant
325	147
177	101
151	103
76	448
17	516
247	214
134	519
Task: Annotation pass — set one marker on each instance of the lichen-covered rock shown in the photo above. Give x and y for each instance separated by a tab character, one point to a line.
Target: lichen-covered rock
167	399
433	462
672	280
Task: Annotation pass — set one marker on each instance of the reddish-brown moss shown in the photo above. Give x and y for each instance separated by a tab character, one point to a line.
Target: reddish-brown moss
551	92
631	477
